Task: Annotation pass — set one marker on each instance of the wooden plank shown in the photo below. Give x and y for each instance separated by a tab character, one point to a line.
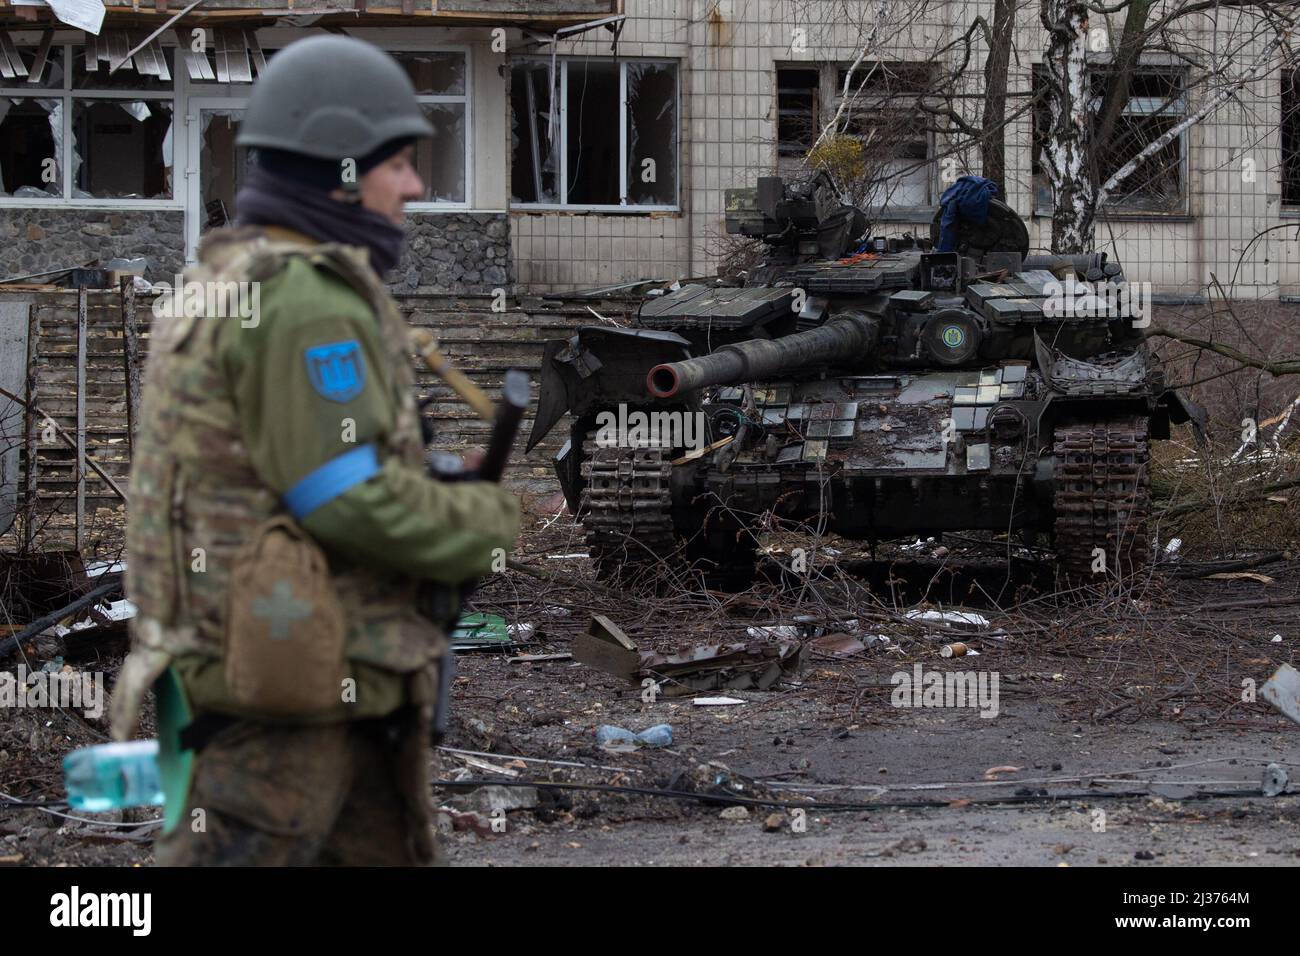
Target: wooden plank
130	360
31	465
80	434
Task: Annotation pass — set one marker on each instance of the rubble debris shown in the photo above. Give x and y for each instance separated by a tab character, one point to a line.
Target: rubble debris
967	620
606	648
490	800
838	644
1282	690
746	666
622	740
1275	780
716	701
774	823
737	813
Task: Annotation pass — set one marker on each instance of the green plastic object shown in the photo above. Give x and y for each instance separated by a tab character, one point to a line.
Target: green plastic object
175	766
479	630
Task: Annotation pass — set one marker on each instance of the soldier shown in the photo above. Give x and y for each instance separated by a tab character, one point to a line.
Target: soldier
281	521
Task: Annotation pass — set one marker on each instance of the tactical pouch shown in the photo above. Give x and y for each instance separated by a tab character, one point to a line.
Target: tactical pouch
285	630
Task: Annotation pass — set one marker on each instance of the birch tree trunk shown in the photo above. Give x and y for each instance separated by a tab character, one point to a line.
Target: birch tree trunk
1069	136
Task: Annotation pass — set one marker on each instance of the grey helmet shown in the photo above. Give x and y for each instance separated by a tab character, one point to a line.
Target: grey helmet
331	97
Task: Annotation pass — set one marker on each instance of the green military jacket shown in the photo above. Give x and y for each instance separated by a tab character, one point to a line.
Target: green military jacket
302	405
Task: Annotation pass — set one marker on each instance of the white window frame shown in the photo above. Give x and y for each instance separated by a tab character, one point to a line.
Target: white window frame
467	98
623	206
69	97
233	92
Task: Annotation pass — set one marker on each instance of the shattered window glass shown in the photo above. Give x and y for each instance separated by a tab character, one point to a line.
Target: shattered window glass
121	149
651	134
440	73
221	165
441	161
534	135
592	134
30	130
126	77
51	75
617	131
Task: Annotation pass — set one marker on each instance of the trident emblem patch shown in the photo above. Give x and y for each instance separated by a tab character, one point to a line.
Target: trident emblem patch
337	371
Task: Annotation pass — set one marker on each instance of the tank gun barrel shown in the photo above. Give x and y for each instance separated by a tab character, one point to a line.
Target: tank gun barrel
846	338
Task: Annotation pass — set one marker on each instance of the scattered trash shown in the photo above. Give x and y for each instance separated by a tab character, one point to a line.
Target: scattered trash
967	619
621	740
1282	690
754	666
786	632
474	631
716	701
1275	780
958	649
838	645
534	658
758	665
1277	639
735	813
992	772
521	632
1172	547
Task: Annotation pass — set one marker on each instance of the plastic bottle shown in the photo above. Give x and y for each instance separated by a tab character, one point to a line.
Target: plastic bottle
660	735
112	776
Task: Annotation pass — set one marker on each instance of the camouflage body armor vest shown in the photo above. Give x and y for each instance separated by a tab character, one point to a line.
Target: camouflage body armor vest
196	499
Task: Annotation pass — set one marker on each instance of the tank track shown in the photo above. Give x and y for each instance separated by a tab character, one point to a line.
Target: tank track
1102	497
626	507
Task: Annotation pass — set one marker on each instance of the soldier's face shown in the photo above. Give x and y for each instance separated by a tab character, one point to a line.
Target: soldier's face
388	187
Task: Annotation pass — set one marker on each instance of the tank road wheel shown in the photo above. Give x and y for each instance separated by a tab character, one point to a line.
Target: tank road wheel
626	508
1102	498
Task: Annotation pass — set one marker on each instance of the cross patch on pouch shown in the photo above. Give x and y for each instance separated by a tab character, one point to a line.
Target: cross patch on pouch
337	371
282	610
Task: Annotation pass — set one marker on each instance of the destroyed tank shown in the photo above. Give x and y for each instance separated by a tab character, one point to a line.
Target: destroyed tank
875	388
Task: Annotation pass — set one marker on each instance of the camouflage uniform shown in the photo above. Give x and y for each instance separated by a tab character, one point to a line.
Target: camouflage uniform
239	424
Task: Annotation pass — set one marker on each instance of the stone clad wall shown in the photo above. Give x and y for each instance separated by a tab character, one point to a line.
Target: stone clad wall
456	254
36	239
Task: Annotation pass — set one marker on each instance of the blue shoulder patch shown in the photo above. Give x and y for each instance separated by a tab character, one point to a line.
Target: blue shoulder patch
337	371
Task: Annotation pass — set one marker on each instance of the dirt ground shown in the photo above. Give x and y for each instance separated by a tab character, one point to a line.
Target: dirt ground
1121	736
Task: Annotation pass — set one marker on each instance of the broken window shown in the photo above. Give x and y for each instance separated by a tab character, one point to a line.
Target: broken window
534	136
222	165
1156	104
29	164
85	135
892	168
121	149
441	85
798	106
594	132
1290	102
